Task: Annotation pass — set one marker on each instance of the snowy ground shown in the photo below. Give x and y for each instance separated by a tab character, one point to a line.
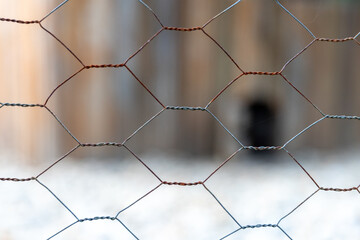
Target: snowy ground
253	191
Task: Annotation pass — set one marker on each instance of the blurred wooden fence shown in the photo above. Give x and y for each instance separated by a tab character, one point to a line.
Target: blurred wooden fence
185	69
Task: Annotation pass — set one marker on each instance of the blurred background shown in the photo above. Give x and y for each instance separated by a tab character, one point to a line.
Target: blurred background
180	69
185	69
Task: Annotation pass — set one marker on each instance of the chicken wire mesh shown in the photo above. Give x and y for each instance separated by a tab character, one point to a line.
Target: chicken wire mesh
161	181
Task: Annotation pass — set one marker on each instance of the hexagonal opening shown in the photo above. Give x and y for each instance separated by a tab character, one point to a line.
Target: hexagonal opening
331	160
267	43
175	66
107	105
93	30
260	190
92	185
33	63
254	109
327	73
185	138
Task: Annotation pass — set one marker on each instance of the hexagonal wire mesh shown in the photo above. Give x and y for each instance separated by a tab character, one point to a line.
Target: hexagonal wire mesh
162	183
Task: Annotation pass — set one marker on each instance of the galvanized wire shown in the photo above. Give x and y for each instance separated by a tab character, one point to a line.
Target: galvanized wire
123	144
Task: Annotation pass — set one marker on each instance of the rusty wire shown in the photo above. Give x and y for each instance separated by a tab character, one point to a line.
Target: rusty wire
242	147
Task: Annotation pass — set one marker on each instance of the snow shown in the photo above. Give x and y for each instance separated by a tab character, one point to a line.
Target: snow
252	190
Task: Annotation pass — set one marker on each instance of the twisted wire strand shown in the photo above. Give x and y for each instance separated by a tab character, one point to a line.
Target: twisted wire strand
21	105
19	21
179	108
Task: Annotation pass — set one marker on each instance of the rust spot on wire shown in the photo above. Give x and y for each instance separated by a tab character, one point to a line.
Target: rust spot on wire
19	21
334	39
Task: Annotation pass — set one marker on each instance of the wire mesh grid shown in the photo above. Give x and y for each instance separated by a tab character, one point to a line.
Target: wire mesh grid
161	182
